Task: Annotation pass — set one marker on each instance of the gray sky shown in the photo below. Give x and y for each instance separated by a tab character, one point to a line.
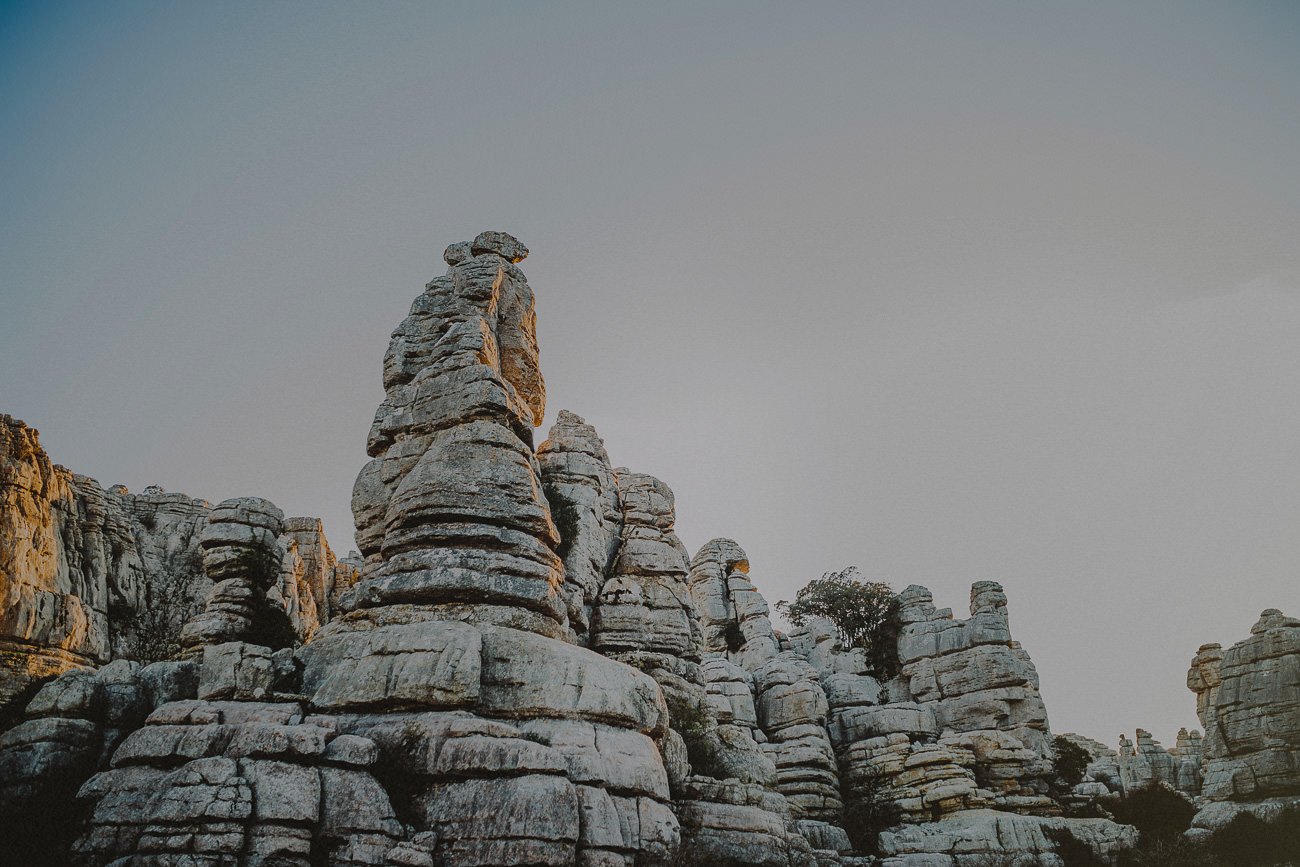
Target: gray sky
949	291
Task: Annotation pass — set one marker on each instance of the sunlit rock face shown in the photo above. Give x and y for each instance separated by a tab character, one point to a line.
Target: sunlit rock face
459	656
83	570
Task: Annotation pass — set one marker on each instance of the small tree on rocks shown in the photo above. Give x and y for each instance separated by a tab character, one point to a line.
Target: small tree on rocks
865	613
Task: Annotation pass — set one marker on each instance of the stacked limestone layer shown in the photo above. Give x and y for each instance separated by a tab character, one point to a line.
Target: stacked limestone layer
961	730
582	489
524	669
89	575
457	656
786	708
1145	762
1248	699
1138	763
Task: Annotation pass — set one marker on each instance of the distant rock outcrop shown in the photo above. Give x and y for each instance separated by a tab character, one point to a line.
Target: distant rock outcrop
1248	699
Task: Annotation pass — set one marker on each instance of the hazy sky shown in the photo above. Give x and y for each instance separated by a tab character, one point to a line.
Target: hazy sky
950	291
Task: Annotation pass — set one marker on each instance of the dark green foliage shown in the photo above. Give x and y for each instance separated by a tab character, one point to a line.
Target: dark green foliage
1069	764
869	810
272	627
1072	851
1089	809
1157	811
152	632
733	636
536	737
698	729
864	612
260	565
11	712
1173	852
564	514
397	771
1251	842
690	720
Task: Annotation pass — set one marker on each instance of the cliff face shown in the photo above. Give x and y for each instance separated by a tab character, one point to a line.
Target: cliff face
89	575
81	566
1248	699
522	666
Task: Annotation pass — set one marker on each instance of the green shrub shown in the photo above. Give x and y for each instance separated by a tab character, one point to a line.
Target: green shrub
1069	762
1251	842
1157	811
870	809
1172	852
272	627
564	514
1072	851
864	612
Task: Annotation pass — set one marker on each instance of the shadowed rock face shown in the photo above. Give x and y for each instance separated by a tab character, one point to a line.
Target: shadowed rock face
583	492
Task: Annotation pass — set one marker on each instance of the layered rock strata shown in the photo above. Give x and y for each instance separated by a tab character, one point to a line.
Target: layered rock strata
89	575
1248	700
1144	762
583	492
86	575
522	667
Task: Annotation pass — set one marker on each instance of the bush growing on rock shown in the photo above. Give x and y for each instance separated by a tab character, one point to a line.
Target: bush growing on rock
864	612
1251	842
1072	851
152	632
1069	762
1157	811
871	811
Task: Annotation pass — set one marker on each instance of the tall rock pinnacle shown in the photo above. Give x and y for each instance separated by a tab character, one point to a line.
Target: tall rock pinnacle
450	511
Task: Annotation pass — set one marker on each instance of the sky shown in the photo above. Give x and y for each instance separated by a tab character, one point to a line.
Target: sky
947	291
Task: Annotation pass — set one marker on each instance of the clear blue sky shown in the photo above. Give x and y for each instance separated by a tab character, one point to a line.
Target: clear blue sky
950	291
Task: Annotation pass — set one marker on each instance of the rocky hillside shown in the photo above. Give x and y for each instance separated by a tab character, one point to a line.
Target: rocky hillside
524	666
89	575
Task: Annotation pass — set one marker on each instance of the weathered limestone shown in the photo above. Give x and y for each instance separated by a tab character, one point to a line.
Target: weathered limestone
86	575
312	577
459	653
521	667
450	511
982	688
583	492
984	836
242	557
72	726
789	707
1144	762
240	783
1248	699
645	605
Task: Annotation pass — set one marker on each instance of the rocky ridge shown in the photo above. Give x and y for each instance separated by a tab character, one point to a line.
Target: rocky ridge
523	665
89	575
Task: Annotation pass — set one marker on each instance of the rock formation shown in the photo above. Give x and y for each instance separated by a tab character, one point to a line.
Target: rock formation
86	575
1248	699
1144	762
522	667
